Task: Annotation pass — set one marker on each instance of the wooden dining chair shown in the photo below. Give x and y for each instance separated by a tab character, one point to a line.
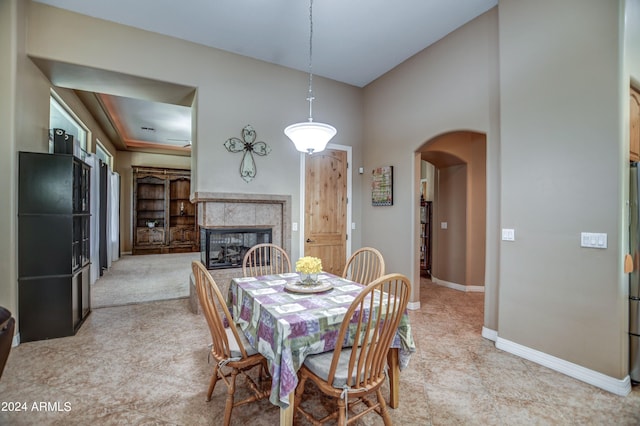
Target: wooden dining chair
354	372
265	259
231	352
364	266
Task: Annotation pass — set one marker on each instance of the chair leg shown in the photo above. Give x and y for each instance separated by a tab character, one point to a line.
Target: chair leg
342	411
297	398
264	371
384	412
212	383
230	393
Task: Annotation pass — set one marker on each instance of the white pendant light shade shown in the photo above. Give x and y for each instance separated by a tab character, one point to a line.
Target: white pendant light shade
310	136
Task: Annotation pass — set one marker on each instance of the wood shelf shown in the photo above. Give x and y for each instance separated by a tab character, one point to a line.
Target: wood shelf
160	195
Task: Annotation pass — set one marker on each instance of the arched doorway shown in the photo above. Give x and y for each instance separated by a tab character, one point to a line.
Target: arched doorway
458	195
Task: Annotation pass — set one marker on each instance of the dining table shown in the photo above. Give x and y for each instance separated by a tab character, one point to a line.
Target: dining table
286	321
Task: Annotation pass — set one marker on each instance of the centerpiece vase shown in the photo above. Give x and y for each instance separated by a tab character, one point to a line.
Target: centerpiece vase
309	279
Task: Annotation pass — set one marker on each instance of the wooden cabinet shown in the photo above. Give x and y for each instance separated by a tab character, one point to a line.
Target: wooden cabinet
53	245
182	214
164	220
634	120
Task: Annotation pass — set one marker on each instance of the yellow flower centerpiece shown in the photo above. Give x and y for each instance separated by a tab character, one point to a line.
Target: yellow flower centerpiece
309	268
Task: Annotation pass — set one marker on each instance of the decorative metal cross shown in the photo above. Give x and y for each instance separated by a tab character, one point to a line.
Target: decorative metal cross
249	146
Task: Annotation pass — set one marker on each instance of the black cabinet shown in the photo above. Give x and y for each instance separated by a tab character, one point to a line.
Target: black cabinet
53	245
425	238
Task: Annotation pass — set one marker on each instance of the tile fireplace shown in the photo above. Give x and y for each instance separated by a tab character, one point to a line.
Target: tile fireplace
227	211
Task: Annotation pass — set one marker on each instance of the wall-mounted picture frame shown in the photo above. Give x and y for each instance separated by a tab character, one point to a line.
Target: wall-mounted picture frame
382	186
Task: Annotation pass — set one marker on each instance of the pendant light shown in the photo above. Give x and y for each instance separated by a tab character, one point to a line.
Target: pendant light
310	136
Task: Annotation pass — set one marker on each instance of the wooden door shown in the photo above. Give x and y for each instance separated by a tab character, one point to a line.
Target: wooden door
325	219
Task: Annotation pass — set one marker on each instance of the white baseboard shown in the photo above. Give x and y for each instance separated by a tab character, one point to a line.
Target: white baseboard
602	381
413	306
489	334
16	340
459	287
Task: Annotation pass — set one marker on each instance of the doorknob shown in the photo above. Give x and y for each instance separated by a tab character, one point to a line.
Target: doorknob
310	240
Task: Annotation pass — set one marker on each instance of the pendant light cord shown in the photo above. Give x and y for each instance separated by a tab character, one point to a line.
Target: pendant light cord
309	136
311	97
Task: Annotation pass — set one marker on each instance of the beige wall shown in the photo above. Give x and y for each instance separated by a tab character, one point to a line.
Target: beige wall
24	93
555	166
233	91
450	86
562	139
449	250
8	156
477	211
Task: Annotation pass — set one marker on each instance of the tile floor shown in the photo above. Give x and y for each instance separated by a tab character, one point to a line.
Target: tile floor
146	364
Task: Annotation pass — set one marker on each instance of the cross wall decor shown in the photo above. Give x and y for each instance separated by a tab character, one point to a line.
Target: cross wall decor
249	146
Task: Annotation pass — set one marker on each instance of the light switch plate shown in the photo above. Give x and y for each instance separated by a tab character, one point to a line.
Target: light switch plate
443	225
508	234
593	240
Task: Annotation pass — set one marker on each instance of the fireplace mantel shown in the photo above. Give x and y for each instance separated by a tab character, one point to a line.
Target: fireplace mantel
239	197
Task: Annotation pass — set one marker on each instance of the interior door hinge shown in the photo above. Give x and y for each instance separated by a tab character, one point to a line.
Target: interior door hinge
346	237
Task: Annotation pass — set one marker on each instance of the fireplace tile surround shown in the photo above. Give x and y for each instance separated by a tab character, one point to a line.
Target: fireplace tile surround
241	210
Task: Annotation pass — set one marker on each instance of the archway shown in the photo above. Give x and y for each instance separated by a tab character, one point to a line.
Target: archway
458	194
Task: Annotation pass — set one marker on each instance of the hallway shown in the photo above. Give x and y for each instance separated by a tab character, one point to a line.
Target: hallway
143	278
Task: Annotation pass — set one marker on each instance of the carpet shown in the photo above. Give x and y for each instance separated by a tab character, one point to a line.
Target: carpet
144	278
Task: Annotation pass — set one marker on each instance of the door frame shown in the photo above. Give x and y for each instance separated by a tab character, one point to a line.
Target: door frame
348	223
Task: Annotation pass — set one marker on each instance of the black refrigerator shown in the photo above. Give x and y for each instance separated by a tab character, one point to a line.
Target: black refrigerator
634	277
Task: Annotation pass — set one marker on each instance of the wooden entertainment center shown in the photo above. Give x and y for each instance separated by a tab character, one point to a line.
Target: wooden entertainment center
164	220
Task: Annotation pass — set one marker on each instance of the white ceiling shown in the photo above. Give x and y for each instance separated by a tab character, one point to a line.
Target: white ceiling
354	41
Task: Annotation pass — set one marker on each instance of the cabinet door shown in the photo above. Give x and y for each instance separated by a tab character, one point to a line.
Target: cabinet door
76	299
46	308
44	247
45	184
80	296
182	214
85	293
146	236
176	235
634	120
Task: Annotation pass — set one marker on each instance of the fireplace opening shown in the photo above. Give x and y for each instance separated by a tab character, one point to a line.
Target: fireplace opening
226	247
